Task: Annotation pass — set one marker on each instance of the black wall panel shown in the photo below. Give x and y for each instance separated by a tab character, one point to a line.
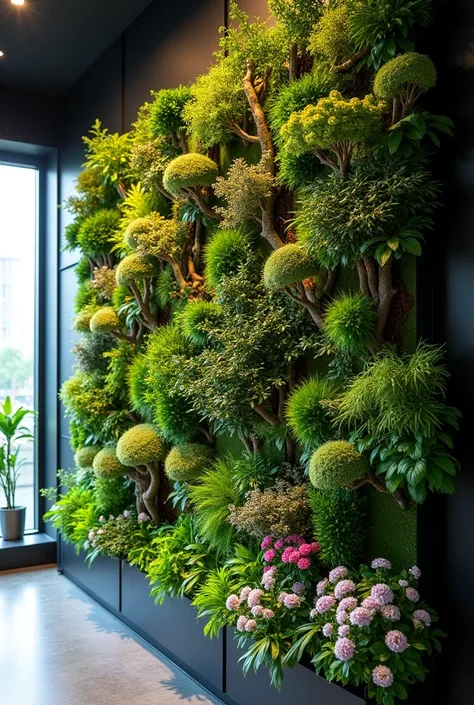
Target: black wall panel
170	44
102	582
29	117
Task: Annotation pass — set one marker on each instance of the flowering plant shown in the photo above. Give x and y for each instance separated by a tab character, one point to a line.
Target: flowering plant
269	613
369	628
114	536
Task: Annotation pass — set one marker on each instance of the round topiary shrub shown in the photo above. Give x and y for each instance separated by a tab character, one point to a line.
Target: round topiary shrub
404	75
349	323
288	265
84	456
166	111
104	321
107	464
195	315
82	321
134	268
225	255
336	464
96	231
140	445
186	462
189	170
308	414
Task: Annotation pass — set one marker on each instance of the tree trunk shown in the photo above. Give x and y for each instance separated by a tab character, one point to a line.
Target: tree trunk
386	294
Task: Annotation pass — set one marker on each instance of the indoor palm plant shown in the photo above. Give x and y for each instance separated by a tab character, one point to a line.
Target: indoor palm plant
12	518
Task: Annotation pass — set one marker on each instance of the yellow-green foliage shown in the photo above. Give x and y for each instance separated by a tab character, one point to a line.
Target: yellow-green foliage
104	321
405	76
84	456
297	16
96	232
140	445
245	188
218	102
189	170
134	268
156	236
331	42
288	265
137	387
82	320
332	120
106	463
186	462
336	464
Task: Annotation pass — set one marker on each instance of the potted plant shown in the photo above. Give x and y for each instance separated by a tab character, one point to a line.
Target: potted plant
12	518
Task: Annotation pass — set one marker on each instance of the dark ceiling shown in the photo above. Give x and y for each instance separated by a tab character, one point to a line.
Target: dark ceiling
48	44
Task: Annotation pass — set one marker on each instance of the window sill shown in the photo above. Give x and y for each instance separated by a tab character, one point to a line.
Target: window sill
32	550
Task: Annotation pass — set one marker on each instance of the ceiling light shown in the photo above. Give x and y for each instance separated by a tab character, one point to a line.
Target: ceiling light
1	54
17	2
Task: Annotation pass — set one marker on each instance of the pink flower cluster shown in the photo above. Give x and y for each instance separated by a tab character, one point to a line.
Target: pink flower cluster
396	641
421	618
381	563
292	549
344	649
382	594
382	676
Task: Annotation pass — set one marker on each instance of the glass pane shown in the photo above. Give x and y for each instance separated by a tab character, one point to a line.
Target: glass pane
18	211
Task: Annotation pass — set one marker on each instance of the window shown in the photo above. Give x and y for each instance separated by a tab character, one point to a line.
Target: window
18	241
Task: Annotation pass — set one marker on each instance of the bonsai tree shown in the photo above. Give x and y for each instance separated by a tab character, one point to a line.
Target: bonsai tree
142	449
334	125
12	431
403	80
187	175
133	271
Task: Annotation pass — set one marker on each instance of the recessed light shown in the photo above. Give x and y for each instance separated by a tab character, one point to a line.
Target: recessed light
17	2
1	53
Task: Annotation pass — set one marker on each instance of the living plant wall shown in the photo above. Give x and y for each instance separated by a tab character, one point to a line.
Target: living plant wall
252	412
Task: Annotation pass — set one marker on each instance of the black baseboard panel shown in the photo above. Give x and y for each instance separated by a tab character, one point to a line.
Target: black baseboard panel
173	629
300	685
101	581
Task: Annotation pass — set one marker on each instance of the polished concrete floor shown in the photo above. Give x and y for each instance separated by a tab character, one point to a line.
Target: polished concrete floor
58	647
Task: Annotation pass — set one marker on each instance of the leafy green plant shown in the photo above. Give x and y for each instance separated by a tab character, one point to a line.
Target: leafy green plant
340	525
12	431
187	462
227	253
407	135
96	232
181	562
336	464
244	189
166	111
73	515
384	26
108	155
211	499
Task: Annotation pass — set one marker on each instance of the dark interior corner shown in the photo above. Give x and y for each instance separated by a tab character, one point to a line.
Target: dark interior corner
100	59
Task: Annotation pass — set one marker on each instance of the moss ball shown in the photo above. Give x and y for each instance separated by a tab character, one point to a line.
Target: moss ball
134	268
225	255
288	265
395	76
82	321
309	417
84	456
189	170
106	463
104	321
186	462
140	445
195	315
349	323
336	464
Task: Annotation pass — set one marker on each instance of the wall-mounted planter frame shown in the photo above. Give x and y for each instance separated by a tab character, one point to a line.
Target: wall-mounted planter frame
172	628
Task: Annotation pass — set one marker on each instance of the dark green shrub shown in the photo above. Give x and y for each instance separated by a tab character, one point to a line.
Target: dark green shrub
288	265
166	111
96	232
227	253
340	525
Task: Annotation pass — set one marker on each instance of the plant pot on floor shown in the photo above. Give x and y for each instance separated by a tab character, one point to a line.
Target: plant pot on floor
12	523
